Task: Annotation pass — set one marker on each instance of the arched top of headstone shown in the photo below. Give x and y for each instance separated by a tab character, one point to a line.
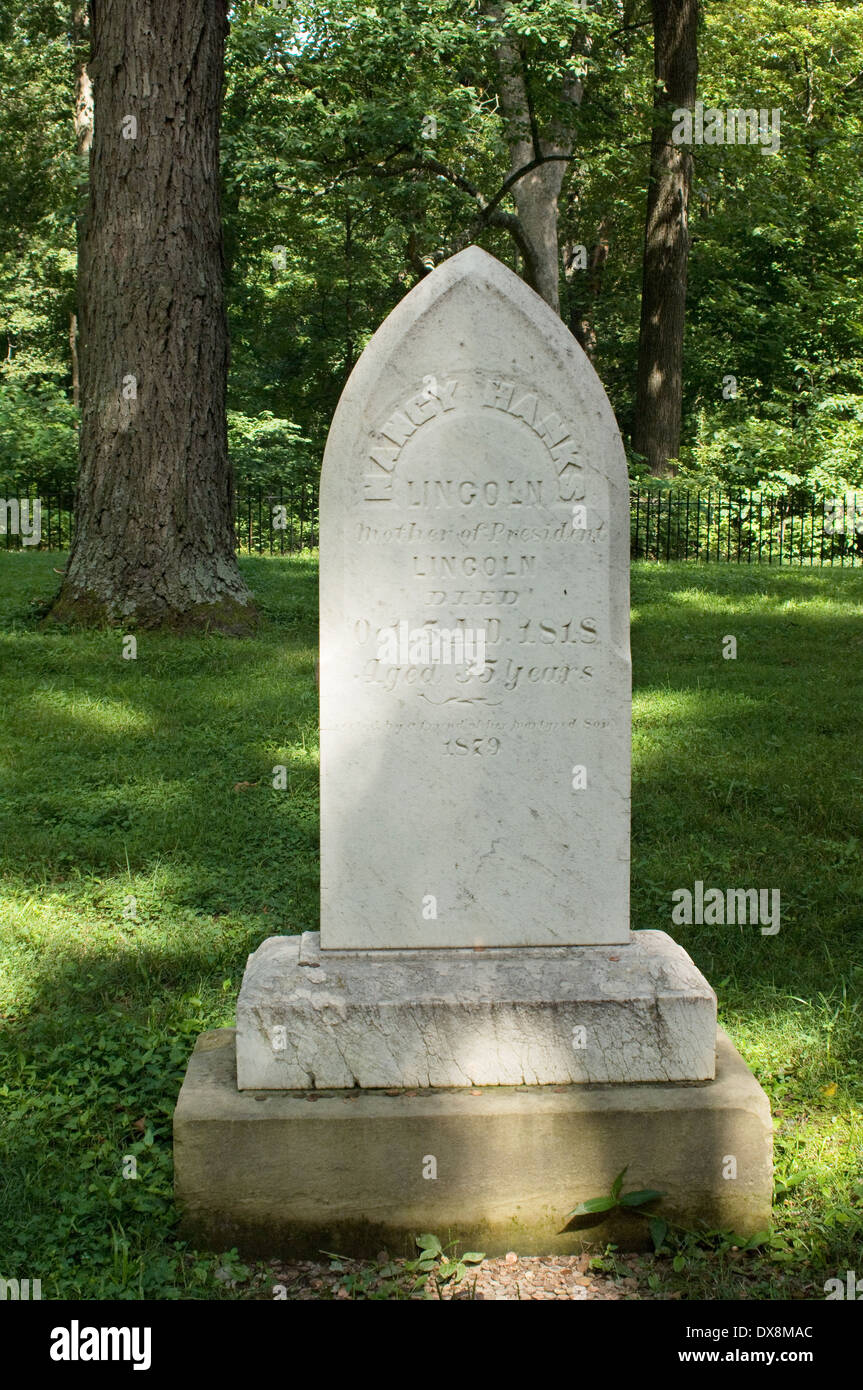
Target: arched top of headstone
477	311
474	490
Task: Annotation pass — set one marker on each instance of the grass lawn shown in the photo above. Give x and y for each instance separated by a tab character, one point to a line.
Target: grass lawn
145	853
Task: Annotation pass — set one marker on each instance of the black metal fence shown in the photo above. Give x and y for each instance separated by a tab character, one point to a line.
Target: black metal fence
277	520
743	527
21	525
667	523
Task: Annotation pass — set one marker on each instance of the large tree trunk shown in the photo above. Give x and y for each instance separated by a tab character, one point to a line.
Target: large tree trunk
79	37
154	543
536	193
666	238
582	315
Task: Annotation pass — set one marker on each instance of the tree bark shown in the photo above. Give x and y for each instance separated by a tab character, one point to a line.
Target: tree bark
666	239
73	354
154	540
79	36
536	193
581	317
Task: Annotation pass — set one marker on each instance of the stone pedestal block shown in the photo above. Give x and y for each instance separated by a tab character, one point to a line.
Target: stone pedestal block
529	1016
292	1173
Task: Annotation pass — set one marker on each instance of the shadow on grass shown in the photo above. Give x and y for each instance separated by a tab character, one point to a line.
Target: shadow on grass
121	778
119	767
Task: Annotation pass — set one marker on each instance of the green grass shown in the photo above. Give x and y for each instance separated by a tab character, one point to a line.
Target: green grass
120	781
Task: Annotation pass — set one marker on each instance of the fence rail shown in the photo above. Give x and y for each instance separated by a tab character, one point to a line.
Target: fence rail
745	527
278	520
670	523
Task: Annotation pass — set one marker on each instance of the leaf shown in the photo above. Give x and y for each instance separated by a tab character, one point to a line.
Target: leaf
760	1238
638	1199
678	1264
593	1204
472	1258
618	1183
429	1244
790	1183
658	1231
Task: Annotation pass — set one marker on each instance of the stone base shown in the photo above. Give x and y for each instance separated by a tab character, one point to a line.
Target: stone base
313	1019
295	1173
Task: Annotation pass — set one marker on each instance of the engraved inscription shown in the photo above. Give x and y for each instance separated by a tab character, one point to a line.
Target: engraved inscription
474	550
518	403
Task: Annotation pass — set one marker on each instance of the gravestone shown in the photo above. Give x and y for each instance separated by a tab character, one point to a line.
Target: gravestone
475	728
474	485
475	752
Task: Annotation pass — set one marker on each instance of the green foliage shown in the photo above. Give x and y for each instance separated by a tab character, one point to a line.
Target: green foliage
38	439
440	1265
775	289
358	142
38	175
818	453
265	450
616	1199
162	794
386	1279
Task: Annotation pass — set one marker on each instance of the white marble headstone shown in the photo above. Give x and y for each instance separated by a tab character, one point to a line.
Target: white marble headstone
474	784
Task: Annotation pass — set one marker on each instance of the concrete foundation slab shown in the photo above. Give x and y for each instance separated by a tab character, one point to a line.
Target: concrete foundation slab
353	1171
323	1019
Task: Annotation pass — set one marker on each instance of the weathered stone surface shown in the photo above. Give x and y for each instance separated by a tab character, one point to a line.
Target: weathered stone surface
313	1019
474	478
475	983
275	1175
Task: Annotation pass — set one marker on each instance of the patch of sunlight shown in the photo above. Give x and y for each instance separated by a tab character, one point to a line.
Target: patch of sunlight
100	713
303	754
32	933
654	706
822	604
819	605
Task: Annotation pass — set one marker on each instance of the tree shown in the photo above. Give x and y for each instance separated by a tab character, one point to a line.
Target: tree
78	36
666	238
344	179
538	162
38	438
154	543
